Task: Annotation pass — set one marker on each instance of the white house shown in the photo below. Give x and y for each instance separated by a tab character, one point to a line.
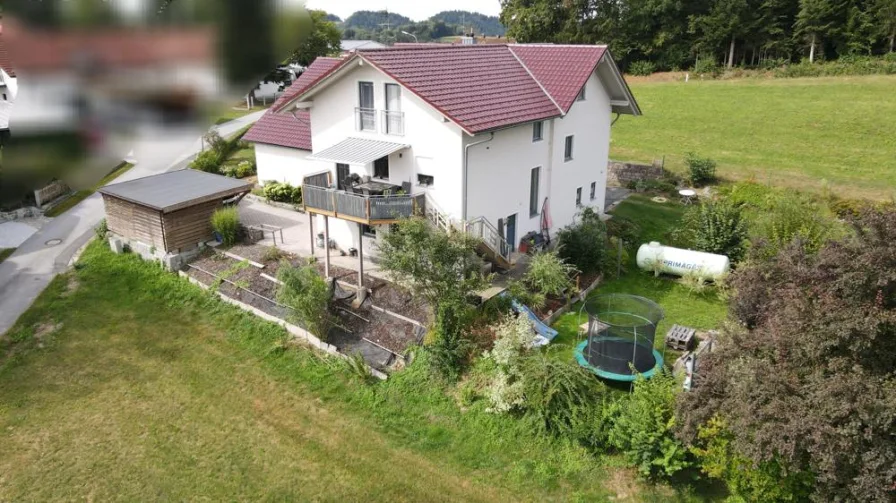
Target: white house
509	139
8	91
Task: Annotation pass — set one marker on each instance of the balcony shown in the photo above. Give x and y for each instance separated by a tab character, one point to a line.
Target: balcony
390	121
361	208
393	122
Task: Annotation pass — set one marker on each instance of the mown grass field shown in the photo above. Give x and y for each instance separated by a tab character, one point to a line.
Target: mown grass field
789	132
123	382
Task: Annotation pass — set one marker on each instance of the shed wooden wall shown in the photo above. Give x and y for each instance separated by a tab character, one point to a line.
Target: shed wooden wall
186	228
134	221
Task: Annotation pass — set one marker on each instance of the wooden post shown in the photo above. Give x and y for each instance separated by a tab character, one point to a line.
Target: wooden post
327	246
360	257
311	230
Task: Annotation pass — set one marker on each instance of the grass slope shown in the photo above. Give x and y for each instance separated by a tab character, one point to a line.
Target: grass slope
123	382
790	132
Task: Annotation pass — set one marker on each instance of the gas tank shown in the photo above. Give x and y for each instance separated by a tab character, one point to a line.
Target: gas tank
680	262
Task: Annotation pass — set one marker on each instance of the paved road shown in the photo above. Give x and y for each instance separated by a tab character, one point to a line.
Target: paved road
25	274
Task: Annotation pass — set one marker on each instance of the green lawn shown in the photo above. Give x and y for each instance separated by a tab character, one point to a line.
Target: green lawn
791	132
703	310
81	195
229	113
124	382
5	253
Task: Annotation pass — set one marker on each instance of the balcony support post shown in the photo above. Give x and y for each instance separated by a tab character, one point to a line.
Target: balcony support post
311	232
360	258
327	246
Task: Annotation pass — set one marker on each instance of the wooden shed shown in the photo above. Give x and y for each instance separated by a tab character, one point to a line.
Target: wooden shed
170	211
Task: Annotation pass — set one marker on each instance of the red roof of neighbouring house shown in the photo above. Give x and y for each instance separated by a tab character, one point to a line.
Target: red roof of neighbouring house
561	69
5	62
284	129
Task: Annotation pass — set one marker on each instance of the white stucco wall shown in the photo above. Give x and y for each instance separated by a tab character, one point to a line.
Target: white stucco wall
281	164
500	170
499	176
589	122
435	145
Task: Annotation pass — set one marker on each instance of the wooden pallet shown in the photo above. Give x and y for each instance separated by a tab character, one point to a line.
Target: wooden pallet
680	338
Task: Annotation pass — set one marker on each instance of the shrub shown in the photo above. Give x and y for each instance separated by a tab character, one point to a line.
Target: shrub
206	161
563	398
625	229
642	68
701	170
282	193
226	222
247	168
450	348
643	427
532	298
272	254
661	185
308	297
707	66
102	229
790	218
550	274
806	381
584	243
513	337
767	481
717	227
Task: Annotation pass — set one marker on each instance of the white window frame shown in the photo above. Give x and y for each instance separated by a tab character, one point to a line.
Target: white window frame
534	190
568	147
539	127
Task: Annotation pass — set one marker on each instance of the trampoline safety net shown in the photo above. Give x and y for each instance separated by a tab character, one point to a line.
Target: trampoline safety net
621	333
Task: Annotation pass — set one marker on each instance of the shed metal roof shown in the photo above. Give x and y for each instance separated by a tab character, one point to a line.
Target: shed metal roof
357	151
167	192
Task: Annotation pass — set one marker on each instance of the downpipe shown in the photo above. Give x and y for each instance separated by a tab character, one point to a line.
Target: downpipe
466	166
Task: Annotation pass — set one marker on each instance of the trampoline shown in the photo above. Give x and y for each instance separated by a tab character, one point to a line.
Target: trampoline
619	340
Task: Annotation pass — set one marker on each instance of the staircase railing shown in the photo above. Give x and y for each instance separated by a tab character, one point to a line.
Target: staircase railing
484	230
479	227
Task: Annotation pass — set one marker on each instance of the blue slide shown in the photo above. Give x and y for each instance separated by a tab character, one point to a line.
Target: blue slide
545	333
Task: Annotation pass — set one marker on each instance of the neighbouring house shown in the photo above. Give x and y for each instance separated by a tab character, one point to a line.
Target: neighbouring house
348	46
168	216
8	90
500	140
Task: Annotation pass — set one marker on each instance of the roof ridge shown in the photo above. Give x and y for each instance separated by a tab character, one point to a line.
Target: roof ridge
540	86
546	44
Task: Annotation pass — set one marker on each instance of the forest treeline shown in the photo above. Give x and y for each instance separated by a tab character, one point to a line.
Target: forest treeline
675	34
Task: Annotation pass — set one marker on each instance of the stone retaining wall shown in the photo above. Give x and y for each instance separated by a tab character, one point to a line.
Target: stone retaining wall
620	174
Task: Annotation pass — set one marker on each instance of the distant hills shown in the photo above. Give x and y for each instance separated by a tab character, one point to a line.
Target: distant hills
387	27
481	24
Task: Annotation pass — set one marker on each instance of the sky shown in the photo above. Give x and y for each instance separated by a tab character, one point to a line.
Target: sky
417	10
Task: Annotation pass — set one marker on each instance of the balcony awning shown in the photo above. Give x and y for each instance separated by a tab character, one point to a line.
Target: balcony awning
357	151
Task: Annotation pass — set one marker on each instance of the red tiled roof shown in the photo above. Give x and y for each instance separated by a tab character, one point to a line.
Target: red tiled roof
561	69
484	87
478	87
5	62
284	129
47	51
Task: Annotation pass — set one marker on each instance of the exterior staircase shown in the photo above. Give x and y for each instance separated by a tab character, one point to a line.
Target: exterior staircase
492	244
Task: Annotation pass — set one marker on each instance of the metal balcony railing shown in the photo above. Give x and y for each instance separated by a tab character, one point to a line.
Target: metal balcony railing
365	119
370	210
393	122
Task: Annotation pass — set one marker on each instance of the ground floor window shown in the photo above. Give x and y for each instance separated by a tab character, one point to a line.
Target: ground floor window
425	180
579	196
368	230
593	190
